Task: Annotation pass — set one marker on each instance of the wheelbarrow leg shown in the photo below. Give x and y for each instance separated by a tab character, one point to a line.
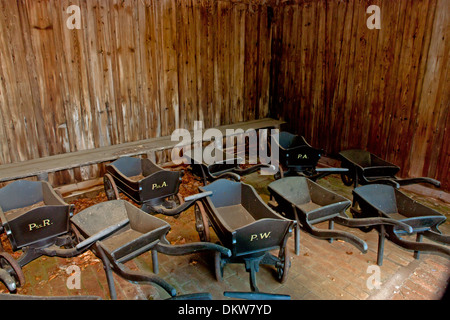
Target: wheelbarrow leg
297	239
381	238
204	177
253	281
355	183
155	261
330	226
252	266
418	239
109	274
297	231
274	205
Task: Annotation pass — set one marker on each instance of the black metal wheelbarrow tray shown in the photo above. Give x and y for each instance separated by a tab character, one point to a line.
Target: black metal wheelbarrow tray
36	220
245	225
224	165
366	168
308	203
378	200
300	158
136	232
147	184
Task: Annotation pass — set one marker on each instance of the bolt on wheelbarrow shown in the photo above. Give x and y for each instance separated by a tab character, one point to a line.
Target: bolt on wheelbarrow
307	203
245	225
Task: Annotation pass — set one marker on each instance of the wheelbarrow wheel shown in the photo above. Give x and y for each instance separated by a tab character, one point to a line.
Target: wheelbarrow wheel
280	174
10	265
348	178
201	222
283	265
110	187
218	266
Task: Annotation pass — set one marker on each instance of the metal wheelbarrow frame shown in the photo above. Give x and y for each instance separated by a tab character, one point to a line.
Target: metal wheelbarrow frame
156	193
226	165
42	231
306	202
366	168
38	231
137	234
55	233
379	200
245	225
301	159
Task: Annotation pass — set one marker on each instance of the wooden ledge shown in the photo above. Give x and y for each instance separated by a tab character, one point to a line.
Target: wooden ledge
42	166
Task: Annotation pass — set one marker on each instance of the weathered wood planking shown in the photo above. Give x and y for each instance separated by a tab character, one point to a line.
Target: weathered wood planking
345	86
433	104
97	156
139	69
135	70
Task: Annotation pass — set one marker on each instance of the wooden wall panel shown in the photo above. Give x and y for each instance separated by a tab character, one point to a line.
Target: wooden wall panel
140	69
135	70
343	86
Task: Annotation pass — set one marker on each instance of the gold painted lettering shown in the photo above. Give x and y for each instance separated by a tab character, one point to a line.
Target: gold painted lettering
265	235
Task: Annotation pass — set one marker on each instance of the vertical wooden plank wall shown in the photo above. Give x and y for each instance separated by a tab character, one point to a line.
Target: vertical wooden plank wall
344	86
141	68
136	69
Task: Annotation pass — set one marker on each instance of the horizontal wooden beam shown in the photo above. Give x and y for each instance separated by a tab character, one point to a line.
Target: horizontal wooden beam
43	166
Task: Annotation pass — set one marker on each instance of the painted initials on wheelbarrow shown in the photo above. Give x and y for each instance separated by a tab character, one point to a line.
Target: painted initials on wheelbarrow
35	226
157	186
261	236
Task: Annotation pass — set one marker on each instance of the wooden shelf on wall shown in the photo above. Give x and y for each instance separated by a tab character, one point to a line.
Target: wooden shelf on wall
42	166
